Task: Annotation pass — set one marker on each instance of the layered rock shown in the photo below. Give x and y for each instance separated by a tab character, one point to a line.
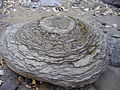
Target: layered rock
59	49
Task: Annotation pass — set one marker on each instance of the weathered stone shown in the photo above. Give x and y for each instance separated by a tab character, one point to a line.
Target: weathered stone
113	2
49	49
114	50
51	3
9	78
1	3
116	35
1	72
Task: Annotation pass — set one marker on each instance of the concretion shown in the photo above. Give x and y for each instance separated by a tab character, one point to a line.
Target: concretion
58	49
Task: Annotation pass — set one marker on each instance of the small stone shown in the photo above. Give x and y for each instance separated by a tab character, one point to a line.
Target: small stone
20	78
76	2
1	82
86	9
105	31
28	86
37	88
1	3
107	26
113	2
116	35
34	82
35	5
115	25
25	4
1	72
59	8
51	3
14	10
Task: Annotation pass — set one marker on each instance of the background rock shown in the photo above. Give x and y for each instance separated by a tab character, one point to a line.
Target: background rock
114	50
9	78
109	80
51	3
113	2
1	3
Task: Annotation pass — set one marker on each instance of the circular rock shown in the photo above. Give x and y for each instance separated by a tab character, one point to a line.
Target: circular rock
58	49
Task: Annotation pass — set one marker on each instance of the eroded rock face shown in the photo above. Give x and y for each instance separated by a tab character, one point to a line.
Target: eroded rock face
59	50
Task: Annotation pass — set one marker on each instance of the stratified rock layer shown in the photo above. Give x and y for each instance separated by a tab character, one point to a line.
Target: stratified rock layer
58	49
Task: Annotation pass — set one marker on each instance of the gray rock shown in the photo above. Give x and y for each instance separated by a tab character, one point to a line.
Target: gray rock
59	50
109	80
1	3
10	81
76	2
2	16
1	72
51	3
25	4
114	50
113	2
117	35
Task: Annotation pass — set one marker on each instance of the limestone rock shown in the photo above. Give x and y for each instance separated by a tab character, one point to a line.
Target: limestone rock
58	49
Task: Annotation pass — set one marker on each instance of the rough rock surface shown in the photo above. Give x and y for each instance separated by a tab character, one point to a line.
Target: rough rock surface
114	50
59	50
113	2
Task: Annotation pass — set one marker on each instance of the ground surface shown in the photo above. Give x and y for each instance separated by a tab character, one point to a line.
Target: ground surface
100	16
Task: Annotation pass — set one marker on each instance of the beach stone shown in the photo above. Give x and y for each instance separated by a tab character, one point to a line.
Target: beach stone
1	3
114	50
58	49
51	3
113	2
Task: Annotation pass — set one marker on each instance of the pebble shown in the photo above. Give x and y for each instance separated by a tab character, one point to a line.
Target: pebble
86	9
1	72
107	26
35	5
76	2
115	25
51	3
116	35
1	82
25	4
28	86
